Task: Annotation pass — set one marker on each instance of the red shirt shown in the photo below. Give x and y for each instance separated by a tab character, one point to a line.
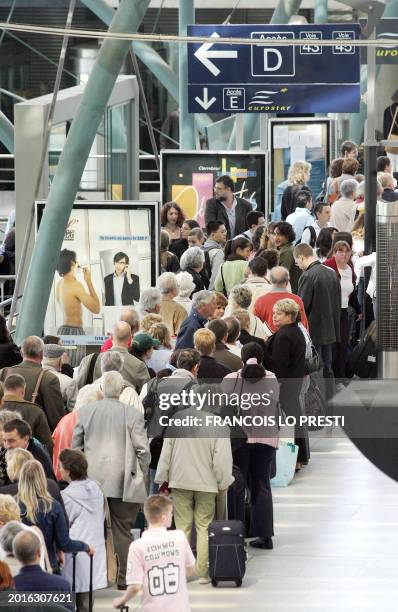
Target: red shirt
265	303
108	345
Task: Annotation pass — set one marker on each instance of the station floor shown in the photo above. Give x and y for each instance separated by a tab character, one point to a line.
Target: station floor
335	548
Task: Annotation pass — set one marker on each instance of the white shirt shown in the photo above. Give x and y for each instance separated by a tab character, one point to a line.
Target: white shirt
231	214
118	282
346	285
306	237
299	219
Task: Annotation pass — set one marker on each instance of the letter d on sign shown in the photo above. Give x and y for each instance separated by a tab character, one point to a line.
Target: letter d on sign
267	67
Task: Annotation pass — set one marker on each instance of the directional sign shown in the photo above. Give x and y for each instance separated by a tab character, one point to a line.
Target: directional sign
388	30
264	78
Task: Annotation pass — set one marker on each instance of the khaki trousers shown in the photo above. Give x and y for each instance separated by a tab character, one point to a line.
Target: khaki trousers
123	515
198	506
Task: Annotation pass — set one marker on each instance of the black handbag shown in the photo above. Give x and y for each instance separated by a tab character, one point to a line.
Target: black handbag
313	363
314	404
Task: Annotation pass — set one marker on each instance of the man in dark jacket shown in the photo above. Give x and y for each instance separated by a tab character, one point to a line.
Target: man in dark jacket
14	392
18	434
321	295
228	209
204	305
209	368
27	549
42	386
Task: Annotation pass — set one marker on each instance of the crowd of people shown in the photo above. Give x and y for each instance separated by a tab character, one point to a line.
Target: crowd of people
240	306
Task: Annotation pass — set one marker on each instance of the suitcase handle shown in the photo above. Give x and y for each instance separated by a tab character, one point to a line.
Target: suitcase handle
90	595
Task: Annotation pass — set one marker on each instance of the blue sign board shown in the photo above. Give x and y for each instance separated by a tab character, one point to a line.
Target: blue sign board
259	78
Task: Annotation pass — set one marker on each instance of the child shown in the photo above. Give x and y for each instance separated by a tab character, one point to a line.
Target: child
159	562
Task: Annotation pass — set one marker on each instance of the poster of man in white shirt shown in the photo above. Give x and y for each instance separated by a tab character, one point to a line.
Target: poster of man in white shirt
121	287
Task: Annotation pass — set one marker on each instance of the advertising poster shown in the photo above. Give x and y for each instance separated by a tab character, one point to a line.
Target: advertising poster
109	255
188	178
298	140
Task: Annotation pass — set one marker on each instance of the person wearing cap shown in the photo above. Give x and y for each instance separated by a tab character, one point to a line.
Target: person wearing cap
142	348
52	360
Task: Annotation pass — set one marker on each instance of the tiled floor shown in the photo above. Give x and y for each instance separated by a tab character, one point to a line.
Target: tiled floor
336	543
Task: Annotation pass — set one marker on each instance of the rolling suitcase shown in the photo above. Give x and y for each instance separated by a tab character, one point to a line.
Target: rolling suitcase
90	601
227	554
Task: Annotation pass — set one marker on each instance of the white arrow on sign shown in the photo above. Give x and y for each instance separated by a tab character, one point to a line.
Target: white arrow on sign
205	103
204	54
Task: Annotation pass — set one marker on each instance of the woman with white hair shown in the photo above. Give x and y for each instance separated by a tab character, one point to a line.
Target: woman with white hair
63	433
173	313
241	297
193	261
185	288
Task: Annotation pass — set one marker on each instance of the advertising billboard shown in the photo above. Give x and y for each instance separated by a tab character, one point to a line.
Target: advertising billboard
188	178
110	253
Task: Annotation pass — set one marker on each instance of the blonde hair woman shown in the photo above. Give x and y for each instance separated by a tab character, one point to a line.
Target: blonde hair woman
298	177
148	320
160	357
16	459
39	509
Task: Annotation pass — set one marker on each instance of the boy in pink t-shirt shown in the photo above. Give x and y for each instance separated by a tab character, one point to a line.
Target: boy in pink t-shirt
159	562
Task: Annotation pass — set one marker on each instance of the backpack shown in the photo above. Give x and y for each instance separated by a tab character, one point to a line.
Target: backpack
209	261
363	361
313	236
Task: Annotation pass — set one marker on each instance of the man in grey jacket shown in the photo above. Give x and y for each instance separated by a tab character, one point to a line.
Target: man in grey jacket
113	438
213	249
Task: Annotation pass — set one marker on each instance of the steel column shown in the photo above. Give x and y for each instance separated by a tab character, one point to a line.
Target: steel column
70	168
186	16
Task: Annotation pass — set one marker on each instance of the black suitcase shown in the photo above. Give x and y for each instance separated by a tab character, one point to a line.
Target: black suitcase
227	554
91	601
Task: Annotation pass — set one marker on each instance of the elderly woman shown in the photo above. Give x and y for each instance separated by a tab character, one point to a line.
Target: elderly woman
192	261
298	177
84	502
161	355
285	356
7	535
185	288
63	433
284	240
149	302
241	297
173	313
